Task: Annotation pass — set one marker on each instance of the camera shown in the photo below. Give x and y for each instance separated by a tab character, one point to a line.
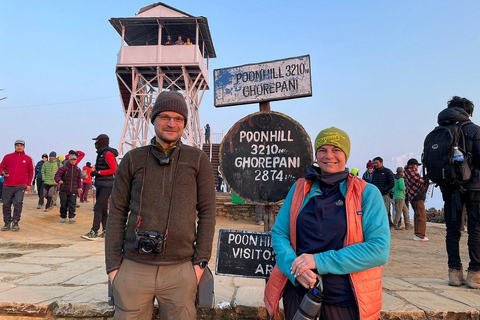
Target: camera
149	241
164	161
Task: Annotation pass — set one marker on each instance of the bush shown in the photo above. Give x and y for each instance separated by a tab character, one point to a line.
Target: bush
436	216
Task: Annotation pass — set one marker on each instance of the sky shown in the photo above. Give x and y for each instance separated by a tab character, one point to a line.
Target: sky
381	70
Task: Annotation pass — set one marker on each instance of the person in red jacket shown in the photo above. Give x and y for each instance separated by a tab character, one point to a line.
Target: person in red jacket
79	154
87	183
17	168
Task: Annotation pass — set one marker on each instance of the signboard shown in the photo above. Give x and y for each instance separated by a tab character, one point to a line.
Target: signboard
263	155
244	254
266	81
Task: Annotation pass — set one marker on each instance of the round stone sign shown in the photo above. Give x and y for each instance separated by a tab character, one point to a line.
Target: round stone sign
263	155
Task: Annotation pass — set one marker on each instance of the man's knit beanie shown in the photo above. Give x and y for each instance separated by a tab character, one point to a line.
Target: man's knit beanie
53	154
170	101
369	164
334	137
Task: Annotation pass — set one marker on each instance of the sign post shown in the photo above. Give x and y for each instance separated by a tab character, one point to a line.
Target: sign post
264	82
268	212
244	253
261	82
263	155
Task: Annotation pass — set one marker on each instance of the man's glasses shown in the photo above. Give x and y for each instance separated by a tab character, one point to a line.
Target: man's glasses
165	118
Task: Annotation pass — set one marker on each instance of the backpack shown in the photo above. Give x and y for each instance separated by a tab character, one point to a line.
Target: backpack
437	158
84	174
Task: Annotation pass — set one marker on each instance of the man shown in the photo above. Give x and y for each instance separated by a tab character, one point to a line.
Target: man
179	41
17	168
69	179
399	198
38	178
79	154
382	178
161	189
169	41
459	110
207	134
49	169
105	167
416	194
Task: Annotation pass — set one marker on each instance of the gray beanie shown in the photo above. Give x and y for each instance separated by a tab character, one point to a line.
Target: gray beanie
170	101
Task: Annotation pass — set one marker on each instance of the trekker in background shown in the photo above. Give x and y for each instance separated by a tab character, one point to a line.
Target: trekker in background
416	194
1	188
459	111
105	168
69	180
39	180
367	176
179	41
60	162
399	198
207	134
17	169
382	178
354	171
79	154
49	169
86	183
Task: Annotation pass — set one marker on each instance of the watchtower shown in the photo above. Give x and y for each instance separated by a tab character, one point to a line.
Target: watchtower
147	65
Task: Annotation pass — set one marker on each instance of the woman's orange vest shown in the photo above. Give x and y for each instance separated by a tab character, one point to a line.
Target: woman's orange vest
367	284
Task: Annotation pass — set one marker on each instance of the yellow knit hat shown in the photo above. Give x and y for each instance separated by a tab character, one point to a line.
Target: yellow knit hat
334	137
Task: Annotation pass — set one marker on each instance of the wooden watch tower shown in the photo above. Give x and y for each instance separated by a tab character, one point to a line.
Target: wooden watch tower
147	65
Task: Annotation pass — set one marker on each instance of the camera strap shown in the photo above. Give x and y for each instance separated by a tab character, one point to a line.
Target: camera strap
165	235
139	216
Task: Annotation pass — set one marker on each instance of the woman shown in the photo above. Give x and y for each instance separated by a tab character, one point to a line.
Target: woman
368	175
332	225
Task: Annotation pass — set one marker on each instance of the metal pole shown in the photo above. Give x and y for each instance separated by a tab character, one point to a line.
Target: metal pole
268	212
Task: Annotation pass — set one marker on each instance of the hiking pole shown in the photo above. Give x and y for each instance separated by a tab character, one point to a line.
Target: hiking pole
311	302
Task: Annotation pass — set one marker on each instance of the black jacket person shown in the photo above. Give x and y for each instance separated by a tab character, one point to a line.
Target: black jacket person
459	111
105	167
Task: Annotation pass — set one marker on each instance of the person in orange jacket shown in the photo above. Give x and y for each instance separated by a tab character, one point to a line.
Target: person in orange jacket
333	227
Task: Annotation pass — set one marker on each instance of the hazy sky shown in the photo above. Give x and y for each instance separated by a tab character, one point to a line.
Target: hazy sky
381	70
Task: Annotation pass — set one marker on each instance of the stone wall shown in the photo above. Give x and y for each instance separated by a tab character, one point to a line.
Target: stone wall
226	208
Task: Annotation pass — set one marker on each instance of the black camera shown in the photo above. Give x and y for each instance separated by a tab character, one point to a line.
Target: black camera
164	161
149	241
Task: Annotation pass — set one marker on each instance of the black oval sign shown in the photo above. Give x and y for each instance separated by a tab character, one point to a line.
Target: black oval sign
263	155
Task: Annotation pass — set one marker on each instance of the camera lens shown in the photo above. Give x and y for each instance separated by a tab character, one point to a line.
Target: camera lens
147	245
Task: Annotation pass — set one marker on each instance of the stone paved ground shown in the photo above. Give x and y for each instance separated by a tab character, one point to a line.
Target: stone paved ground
48	271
